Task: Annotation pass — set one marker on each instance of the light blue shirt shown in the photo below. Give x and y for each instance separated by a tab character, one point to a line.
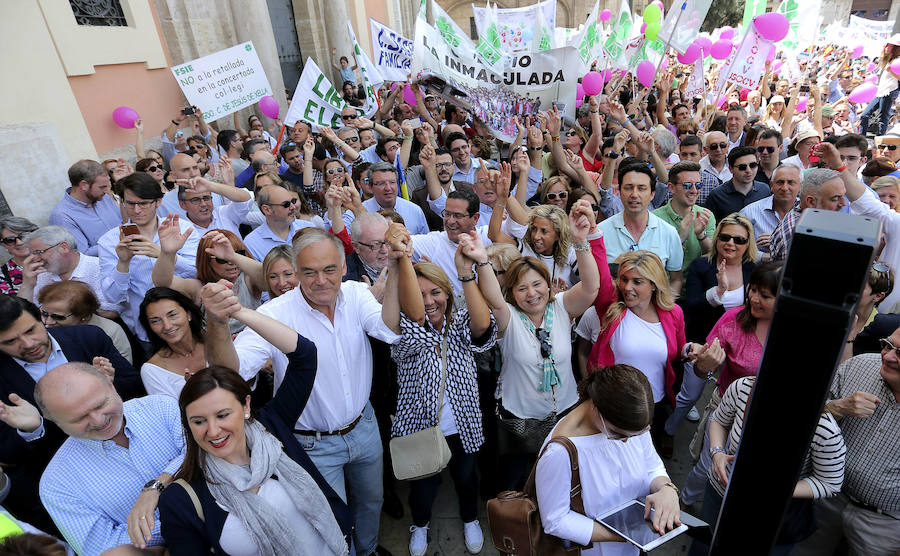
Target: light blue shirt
763	217
413	217
37	370
261	240
659	237
86	222
468	177
129	288
90	486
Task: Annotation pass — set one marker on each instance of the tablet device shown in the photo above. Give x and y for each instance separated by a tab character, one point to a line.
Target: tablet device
628	521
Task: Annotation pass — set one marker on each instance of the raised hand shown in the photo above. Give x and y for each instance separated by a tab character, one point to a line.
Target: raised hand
219	300
472	247
593	104
581	220
521	161
520	127
171	239
221	247
309	147
328	133
361	123
617	111
103	365
139	125
554	123
503	178
621	138
427	157
225	171
20	414
645	142
573	159
406	128
397	236
829	154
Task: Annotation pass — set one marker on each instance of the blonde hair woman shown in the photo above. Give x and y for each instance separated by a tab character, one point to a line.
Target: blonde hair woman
280	271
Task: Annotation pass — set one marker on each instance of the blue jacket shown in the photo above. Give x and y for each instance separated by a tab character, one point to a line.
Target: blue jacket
184	532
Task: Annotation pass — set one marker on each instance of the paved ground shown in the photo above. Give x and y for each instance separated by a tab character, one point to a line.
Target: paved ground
446	527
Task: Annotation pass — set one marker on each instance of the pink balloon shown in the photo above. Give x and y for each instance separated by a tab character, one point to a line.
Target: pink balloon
771	55
607	75
722	102
705	45
269	107
578	102
125	117
605	15
871	67
863	93
777	65
579	92
592	83
895	65
772	26
646	71
690	55
857	52
644	27
801	104
727	33
408	95
872	79
721	49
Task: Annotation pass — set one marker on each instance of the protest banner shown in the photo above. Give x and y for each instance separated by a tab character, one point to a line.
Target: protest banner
515	25
315	100
804	23
224	82
869	33
533	80
614	45
371	77
682	24
696	85
392	52
458	41
746	65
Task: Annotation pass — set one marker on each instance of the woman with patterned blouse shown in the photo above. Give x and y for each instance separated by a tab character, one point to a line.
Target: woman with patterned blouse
435	342
12	230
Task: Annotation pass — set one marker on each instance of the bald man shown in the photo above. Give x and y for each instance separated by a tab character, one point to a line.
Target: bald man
102	486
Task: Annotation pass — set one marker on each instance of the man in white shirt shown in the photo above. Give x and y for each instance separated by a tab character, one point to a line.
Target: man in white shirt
716	147
337	427
458	145
766	213
384	185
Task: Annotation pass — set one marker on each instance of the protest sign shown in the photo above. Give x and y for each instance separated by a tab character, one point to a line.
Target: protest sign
515	25
589	41
224	82
392	52
682	24
315	100
696	85
372	78
745	66
620	33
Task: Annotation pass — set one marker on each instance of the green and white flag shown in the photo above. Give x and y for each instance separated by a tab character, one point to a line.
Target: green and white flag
372	78
543	37
488	48
620	33
455	37
589	40
804	19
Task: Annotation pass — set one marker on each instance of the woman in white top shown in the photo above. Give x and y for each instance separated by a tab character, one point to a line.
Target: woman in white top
888	87
617	462
175	328
536	382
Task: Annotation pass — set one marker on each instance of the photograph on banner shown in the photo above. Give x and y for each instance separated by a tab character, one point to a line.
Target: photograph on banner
224	82
315	100
391	52
535	81
515	26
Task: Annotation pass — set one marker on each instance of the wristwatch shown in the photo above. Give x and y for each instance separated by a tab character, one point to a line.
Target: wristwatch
153	484
612	154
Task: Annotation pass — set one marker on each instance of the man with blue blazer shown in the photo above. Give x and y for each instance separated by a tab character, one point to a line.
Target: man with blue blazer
27	351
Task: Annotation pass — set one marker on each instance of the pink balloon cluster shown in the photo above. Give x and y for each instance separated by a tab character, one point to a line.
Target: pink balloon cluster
125	117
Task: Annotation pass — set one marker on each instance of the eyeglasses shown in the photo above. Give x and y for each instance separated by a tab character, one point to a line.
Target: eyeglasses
769	150
9	240
283	204
886	345
888	147
55	316
375	245
688	185
738	240
141	204
743	167
152	169
335	170
202	199
717	146
459	149
455	215
440	165
561	195
544	338
350	117
616	436
40	252
352	139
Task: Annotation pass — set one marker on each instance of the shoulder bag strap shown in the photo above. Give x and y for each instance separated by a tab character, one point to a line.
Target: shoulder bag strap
193	496
577	503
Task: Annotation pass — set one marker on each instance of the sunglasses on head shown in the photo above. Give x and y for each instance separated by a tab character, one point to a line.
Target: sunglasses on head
738	240
561	195
544	338
717	146
743	167
769	150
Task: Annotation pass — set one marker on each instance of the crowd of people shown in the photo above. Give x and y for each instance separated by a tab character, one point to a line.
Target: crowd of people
219	349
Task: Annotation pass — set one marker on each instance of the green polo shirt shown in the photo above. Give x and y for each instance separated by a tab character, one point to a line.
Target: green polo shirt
691	245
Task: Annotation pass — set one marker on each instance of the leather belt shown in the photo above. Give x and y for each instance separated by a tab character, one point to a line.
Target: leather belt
339	432
871	508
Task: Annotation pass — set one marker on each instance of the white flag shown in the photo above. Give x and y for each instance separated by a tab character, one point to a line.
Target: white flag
315	99
372	78
391	51
682	24
696	85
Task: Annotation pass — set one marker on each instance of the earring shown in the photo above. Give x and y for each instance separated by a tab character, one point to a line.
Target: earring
246	415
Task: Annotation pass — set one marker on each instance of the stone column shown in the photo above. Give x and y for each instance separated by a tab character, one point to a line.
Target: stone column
336	17
252	23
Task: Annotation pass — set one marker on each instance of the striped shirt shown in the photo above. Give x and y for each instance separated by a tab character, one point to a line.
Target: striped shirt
90	486
708	182
873	443
783	234
823	464
762	215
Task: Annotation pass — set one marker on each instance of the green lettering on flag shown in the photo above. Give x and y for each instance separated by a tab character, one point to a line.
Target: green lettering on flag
488	46
447	32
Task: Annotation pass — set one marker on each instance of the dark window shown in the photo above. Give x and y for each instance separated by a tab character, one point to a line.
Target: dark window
106	13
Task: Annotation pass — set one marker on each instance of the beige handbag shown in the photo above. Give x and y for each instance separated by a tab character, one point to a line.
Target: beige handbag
424	453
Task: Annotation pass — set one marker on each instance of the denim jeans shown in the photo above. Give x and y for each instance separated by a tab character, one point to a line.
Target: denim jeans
352	465
423	492
885	104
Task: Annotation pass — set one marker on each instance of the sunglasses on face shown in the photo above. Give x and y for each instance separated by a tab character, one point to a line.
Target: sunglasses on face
57	317
152	169
738	240
887	147
283	204
571	134
561	195
688	185
350	117
9	240
769	150
717	146
535	149
743	167
337	170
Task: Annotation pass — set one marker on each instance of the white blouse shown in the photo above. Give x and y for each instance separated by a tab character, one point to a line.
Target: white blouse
523	366
642	345
612	472
161	381
565	271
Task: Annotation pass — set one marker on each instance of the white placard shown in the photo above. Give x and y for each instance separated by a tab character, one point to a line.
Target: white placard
224	82
391	52
696	85
746	66
315	100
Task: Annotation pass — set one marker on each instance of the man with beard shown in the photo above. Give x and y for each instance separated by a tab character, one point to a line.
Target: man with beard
86	209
